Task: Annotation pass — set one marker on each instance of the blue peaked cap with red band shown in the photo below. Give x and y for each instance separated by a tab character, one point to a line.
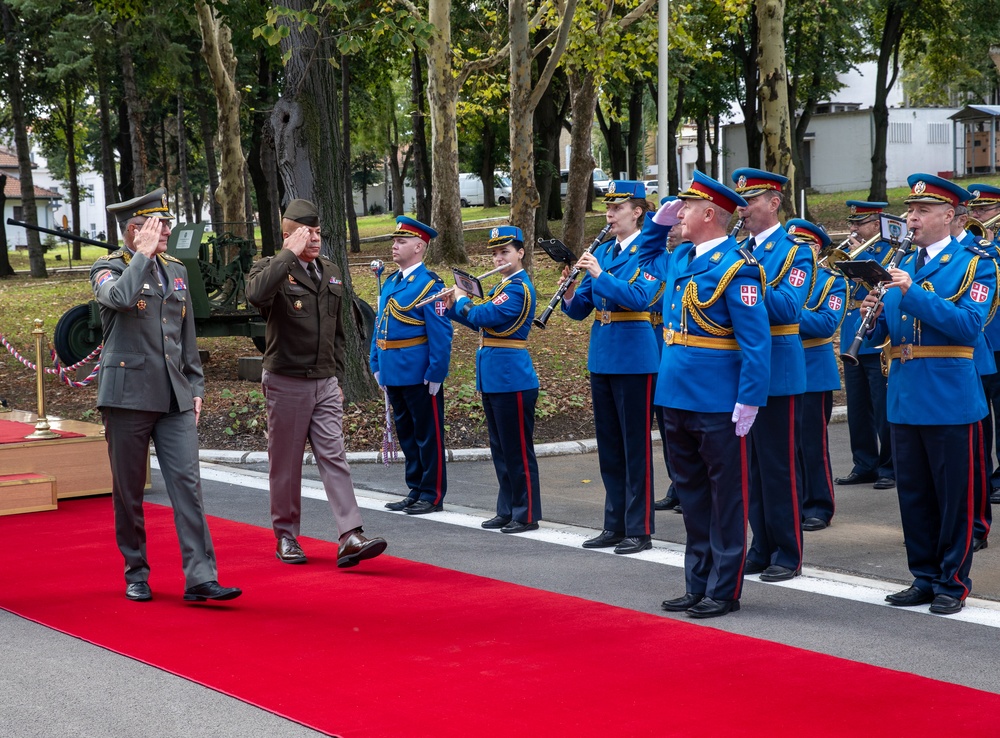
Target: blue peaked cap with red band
410	227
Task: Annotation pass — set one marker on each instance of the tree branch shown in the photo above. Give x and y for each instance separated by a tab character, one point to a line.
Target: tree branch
480	64
550	67
636	14
414	10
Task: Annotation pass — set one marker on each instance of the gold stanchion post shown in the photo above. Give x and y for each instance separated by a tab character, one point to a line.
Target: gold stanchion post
42	429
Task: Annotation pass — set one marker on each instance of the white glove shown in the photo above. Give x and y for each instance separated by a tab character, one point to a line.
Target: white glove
667	215
378	379
743	416
432	387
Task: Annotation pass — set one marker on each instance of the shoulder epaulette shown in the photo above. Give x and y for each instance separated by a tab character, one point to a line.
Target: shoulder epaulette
174	259
434	276
113	255
978	248
748	257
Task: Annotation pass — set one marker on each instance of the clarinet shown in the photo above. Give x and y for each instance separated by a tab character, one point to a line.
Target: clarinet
557	297
851	355
737	228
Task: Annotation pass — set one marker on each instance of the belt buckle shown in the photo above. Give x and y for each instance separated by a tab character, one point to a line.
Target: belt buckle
605	317
668	336
905	353
380	343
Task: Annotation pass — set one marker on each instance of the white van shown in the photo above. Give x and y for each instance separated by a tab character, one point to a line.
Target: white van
599	178
471	190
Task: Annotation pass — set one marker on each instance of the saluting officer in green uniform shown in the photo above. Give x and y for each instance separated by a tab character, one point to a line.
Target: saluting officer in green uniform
151	386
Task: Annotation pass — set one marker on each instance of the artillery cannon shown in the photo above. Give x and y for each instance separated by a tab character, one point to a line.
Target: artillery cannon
216	288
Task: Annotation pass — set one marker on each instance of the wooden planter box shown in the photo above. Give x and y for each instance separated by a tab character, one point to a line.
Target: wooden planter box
24	493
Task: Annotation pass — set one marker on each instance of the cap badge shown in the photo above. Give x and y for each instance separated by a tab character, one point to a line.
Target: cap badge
742	181
854	209
975	194
611	187
792	229
163	199
494	233
919	187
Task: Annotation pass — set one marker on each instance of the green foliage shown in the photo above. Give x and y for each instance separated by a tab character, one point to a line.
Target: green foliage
246	414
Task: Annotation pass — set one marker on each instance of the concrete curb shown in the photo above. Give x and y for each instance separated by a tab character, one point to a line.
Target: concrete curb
560	448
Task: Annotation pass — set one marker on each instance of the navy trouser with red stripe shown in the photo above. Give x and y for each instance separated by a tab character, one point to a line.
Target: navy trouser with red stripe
776	484
510	417
982	511
623	419
711	467
935	470
814	456
419	417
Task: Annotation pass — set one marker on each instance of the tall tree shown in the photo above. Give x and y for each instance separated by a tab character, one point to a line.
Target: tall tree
774	94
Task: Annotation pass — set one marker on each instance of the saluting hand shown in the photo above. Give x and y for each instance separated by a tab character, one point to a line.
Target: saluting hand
297	241
147	239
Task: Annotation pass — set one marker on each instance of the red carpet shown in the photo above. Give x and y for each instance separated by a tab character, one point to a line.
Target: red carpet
396	648
11	431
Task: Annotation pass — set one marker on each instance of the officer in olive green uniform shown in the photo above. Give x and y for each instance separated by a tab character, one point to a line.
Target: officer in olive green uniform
151	386
300	294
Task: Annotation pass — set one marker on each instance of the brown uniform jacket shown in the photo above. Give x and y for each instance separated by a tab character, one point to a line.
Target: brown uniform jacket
305	329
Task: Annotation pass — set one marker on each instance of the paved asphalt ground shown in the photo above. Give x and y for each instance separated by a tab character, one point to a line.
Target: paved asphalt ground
834	608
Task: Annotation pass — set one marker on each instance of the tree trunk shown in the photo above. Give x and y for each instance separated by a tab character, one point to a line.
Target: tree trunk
164	159
308	149
442	96
583	101
397	173
107	155
634	129
751	83
716	128
421	164
126	182
182	167
550	114
268	200
217	50
613	138
136	113
486	170
19	120
774	96
522	169
699	161
888	53
345	114
6	270
208	126
69	131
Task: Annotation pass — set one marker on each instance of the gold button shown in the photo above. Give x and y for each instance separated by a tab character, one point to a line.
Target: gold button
672	306
904	317
164	320
122	364
677	288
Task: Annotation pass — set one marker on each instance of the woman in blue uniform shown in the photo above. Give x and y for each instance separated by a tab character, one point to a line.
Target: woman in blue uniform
506	378
821	318
623	360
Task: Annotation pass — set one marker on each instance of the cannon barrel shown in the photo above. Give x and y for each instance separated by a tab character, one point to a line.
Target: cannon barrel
62	234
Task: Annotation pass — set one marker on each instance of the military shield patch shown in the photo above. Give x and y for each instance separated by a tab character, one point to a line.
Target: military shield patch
979	292
834	302
796	277
748	294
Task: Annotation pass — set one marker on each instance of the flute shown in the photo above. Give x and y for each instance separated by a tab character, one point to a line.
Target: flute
554	302
438	295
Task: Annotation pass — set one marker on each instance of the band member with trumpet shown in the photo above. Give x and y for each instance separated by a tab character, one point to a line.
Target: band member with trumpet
775	476
985	208
864	383
821	318
410	353
622	360
933	312
713	376
506	378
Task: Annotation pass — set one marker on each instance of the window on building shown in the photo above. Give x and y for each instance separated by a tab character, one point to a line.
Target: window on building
91	198
19	213
938	133
900	133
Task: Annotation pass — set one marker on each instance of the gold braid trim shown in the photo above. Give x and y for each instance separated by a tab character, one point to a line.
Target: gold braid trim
663	288
399	311
789	259
996	293
635	276
521	319
822	296
696	308
967	280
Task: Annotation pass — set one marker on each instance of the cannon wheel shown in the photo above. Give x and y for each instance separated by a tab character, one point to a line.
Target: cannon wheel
364	317
73	338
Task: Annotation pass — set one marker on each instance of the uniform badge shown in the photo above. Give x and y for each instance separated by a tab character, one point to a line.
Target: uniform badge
796	277
495	233
410	279
440	307
611	187
633	249
979	292
769	245
717	256
500	299
104	276
975	194
291	279
834	302
179	284
919	187
854	209
334	280
945	258
742	181
297	304
184	311
793	229
141	304
748	294
648	277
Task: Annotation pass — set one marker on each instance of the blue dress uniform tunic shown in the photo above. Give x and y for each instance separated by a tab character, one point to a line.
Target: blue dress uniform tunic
864	384
507	380
821	319
933	330
991	385
622	360
411	346
775	477
717	352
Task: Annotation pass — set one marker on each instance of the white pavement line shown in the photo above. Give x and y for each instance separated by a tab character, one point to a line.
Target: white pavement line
813	581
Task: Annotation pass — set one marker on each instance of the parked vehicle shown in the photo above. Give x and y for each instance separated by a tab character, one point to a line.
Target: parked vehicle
599	178
652	188
471	189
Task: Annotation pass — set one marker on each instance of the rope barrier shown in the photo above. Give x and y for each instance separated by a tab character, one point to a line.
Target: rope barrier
59	370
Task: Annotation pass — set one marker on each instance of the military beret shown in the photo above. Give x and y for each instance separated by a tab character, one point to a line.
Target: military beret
302	211
151	205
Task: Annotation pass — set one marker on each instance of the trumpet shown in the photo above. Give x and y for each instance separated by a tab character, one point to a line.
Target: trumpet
831	255
980	229
448	290
574	273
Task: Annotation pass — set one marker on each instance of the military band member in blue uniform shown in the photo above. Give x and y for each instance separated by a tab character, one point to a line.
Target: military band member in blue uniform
775	478
985	207
864	384
506	378
622	360
713	376
821	319
933	312
410	353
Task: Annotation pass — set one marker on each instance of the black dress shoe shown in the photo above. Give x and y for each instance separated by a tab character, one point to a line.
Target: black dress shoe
515	526
814	524
709	608
401	504
680	604
856	478
978	544
946	605
634	544
995	496
355	548
495	523
909	597
289	551
138	592
750	568
211	591
667	503
606	539
678	509
775	573
884	483
422	507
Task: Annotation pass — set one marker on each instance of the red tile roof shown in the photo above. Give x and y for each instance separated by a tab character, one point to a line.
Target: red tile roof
12	190
8	159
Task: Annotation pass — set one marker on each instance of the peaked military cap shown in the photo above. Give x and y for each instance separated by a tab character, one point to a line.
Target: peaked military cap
408	227
801	228
984	194
929	188
704	187
620	190
302	211
503	235
753	182
151	205
862	210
